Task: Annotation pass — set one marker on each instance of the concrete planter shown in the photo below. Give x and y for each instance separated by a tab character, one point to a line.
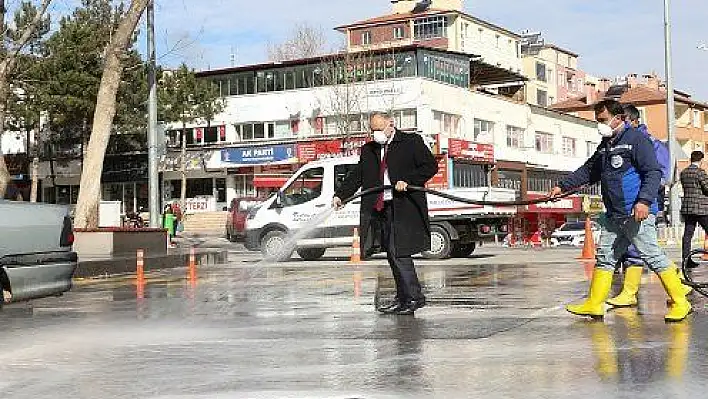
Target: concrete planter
112	242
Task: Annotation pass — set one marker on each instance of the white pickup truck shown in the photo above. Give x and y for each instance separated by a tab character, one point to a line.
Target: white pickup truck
36	257
456	227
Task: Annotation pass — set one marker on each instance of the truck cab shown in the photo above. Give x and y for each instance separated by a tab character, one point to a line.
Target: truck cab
456	228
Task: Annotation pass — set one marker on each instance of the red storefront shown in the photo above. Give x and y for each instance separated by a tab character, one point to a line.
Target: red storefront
274	177
533	223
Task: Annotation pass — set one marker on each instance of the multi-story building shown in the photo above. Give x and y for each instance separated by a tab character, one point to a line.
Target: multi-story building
279	116
440	24
648	93
553	72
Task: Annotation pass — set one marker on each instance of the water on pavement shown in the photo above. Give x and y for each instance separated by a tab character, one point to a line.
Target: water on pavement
309	329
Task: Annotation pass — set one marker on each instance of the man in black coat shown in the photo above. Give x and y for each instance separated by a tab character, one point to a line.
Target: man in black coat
694	207
398	218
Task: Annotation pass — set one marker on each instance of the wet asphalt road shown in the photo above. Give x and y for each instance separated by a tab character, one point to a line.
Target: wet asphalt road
494	327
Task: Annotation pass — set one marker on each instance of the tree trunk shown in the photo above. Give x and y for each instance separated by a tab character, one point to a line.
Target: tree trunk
90	188
183	168
35	179
4	173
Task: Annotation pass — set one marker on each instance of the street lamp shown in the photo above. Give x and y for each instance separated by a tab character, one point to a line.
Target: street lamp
674	206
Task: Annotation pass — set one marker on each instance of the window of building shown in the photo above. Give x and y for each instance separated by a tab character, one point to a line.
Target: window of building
211	134
399	32
696	118
483	131
541	71
642	115
590	148
366	38
444	68
406	119
569	147
542	98
514	136
447	124
430	27
498	41
544	143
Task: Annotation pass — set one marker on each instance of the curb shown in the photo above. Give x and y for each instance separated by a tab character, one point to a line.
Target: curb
127	265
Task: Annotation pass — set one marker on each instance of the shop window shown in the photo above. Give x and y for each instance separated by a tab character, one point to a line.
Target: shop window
247	131
220	190
469	175
258	131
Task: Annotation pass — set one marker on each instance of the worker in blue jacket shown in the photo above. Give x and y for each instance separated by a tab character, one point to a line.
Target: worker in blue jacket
632	262
625	165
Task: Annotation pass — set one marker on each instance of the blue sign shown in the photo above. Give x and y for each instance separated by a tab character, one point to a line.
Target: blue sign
259	155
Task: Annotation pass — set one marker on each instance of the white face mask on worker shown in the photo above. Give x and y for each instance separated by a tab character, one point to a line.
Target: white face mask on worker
380	137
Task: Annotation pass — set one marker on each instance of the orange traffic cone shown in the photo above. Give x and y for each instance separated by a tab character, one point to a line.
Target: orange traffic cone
356	251
589	245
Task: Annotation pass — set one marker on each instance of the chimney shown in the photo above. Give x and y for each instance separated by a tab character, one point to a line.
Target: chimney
632	80
652	81
591	93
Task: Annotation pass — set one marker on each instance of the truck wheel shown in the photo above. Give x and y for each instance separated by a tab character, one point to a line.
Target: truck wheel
273	246
440	244
462	250
311	253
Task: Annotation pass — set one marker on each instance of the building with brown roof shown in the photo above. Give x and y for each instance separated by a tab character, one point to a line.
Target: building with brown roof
648	94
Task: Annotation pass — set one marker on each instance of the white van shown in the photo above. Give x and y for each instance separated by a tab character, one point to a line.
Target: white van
456	227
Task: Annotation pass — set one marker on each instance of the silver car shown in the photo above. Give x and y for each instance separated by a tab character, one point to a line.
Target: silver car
36	257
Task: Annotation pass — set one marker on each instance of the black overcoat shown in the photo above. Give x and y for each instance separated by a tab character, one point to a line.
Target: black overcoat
408	160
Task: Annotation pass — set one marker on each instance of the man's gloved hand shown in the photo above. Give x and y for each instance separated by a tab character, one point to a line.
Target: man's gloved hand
337	203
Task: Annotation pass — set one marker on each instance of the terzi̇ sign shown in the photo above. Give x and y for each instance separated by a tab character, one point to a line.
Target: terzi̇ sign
259	155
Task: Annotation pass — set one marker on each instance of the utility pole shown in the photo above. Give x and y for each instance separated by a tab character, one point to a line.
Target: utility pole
154	190
674	206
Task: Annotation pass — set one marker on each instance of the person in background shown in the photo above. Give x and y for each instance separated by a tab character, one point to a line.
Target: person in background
626	166
694	207
397	217
632	262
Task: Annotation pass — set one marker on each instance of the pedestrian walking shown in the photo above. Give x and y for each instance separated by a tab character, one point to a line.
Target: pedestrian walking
694	207
626	166
632	263
396	220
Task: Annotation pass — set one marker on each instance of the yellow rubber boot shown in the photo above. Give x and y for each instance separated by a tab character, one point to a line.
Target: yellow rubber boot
686	289
599	289
680	307
628	297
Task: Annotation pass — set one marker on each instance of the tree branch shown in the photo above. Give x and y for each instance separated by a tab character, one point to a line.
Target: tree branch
27	33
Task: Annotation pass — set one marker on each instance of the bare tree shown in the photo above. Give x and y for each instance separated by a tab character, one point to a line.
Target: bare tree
10	55
89	194
305	41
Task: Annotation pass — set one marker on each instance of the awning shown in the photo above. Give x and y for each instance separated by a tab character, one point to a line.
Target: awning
484	74
269	181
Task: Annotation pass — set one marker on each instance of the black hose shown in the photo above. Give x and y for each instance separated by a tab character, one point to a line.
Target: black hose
461	199
700	287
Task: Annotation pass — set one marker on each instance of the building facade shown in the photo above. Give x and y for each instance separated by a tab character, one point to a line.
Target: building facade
280	116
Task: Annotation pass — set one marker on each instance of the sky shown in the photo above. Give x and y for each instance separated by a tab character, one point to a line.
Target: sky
613	38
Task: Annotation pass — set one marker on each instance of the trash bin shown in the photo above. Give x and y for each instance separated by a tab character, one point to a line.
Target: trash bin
168	222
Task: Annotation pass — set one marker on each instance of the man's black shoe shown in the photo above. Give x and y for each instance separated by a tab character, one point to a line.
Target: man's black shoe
411	307
393	307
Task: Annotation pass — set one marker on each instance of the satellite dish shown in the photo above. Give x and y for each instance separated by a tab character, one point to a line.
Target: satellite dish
422	6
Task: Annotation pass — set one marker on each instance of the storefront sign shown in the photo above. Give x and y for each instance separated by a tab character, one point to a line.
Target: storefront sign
440	180
593	204
194	160
200	204
259	155
565	205
316	150
473	151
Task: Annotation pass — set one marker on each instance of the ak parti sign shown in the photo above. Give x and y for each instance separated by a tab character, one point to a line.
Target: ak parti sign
463	149
316	150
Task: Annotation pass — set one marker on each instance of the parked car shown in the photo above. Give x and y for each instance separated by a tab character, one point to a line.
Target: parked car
236	219
573	234
36	257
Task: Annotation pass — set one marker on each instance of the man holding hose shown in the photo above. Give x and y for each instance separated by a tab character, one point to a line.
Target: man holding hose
398	217
625	163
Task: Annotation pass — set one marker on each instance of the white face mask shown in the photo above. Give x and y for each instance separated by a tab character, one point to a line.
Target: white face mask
605	130
380	137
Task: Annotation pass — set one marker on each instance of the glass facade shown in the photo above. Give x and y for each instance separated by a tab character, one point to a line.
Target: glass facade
354	67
